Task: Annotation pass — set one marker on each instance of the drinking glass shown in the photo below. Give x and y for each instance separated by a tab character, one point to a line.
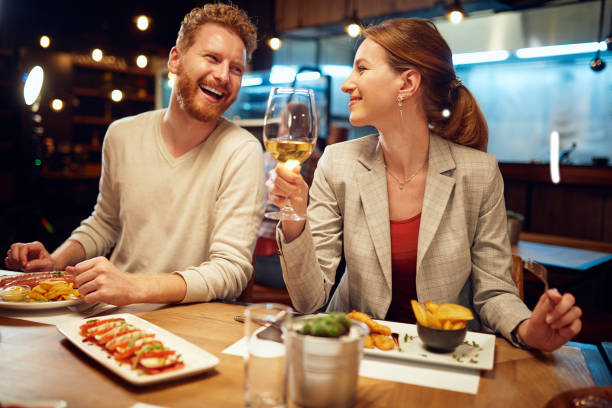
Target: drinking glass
265	374
289	134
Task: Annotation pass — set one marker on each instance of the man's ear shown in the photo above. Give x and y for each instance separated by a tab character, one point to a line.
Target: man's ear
411	82
174	60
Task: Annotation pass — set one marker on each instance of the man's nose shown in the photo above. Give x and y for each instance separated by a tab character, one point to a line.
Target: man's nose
221	73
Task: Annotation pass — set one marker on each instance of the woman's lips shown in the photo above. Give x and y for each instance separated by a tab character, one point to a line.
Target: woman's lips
353	102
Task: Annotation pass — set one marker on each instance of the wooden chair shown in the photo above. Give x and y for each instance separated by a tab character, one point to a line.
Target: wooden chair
518	275
263	294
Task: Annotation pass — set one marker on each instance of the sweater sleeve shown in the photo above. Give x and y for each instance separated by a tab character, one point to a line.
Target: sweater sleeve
238	211
98	233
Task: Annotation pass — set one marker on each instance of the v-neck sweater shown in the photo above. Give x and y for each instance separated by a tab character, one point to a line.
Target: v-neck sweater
196	215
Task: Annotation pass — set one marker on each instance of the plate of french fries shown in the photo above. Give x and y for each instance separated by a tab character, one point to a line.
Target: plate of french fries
50	294
401	341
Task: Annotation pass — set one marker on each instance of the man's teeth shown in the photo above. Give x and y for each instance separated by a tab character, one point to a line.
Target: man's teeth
212	90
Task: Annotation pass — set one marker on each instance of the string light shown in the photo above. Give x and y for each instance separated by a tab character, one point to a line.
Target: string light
45	41
142	61
116	95
97	55
57	105
142	23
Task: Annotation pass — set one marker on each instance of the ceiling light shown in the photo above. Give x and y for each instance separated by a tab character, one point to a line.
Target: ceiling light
45	41
353	27
565	49
142	22
456	13
97	55
275	43
479	57
33	84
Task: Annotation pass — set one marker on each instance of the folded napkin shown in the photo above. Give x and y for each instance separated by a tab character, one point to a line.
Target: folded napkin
408	372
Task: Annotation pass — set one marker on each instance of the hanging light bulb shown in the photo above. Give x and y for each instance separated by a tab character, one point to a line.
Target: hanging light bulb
142	22
142	61
97	55
45	41
116	95
275	42
456	13
353	27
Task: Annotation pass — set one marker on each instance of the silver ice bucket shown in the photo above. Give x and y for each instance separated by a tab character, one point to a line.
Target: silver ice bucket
323	372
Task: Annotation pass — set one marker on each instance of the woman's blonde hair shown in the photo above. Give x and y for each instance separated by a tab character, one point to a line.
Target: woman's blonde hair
227	15
416	43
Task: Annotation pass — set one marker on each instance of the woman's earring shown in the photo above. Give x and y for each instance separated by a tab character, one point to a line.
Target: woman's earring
399	100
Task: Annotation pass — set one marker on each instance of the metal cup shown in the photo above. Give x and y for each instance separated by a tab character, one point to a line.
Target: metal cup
323	372
264	362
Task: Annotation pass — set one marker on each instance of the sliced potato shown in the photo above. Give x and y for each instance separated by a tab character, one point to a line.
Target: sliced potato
432	320
431	306
449	311
419	312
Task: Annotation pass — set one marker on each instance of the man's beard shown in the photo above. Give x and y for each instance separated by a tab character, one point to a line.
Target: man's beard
187	90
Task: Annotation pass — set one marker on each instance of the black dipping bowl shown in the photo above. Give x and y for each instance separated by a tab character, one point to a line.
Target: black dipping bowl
441	341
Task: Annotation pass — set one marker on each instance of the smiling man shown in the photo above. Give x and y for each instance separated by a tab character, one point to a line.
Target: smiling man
181	191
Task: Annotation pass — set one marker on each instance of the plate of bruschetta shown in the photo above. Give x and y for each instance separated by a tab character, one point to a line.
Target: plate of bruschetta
136	350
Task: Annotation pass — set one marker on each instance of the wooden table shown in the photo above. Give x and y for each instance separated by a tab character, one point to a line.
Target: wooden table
36	362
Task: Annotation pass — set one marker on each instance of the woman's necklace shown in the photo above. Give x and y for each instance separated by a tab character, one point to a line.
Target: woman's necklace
407	180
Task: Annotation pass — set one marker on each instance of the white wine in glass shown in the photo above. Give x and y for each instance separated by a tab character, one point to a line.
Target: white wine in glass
289	133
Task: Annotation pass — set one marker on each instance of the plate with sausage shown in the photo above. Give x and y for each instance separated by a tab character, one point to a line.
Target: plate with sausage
38	290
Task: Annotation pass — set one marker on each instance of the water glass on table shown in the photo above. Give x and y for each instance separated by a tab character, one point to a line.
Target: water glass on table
265	376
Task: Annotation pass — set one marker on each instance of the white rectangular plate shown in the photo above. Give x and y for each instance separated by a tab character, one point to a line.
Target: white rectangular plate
196	359
479	353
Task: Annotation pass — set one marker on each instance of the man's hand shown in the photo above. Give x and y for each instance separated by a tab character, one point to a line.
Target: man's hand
555	321
29	257
98	280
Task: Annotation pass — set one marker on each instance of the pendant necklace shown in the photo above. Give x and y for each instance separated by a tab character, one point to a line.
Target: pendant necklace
407	180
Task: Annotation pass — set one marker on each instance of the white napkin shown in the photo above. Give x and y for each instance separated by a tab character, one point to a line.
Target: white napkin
408	372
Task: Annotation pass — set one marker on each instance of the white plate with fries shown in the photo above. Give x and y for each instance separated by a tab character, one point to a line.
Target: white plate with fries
196	359
40	305
45	295
477	351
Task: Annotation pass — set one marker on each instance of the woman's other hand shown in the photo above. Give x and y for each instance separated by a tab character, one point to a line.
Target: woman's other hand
555	321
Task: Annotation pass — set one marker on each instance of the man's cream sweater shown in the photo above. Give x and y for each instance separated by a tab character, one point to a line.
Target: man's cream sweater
196	215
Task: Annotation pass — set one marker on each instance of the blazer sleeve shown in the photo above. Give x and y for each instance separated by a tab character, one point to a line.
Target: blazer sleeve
309	262
495	295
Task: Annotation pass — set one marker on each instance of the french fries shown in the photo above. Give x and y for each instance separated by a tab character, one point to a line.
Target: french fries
52	291
447	316
379	333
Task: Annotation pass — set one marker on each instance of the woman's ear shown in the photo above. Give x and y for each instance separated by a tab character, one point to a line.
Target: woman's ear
174	60
411	82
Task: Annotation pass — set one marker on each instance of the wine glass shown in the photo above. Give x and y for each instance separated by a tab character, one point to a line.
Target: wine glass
289	134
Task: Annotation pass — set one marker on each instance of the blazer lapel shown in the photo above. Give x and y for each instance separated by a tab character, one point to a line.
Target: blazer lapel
373	191
438	188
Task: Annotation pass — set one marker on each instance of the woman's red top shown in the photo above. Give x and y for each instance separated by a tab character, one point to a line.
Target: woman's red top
404	243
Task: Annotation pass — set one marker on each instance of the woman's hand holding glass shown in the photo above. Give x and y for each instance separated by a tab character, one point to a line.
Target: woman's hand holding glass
285	184
289	134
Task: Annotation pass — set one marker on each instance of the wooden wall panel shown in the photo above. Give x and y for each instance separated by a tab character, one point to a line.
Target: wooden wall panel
516	196
567	210
607	218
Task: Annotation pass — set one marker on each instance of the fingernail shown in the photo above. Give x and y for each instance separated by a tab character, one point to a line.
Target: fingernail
549	318
556	292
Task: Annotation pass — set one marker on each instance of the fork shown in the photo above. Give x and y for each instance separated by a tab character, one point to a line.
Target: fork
538	270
